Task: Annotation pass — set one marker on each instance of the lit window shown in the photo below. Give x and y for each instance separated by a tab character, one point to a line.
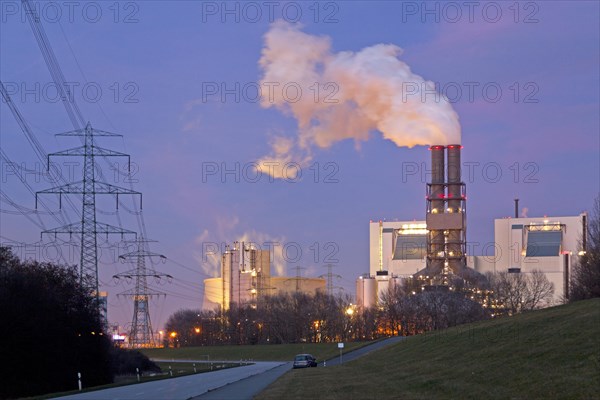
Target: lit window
543	244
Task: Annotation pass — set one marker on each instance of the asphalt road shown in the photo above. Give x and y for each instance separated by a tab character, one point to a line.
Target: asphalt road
241	383
353	355
246	389
181	388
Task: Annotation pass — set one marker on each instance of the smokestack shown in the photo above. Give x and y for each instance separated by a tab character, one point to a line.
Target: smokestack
437	195
437	179
454	178
455	232
516	208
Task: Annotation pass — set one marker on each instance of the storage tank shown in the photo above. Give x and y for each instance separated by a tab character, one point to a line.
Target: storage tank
366	292
383	282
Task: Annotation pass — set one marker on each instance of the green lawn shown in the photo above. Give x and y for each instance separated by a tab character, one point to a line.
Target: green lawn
546	354
267	352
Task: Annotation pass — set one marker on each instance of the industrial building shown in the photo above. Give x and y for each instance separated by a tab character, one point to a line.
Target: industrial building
549	244
246	279
399	247
436	249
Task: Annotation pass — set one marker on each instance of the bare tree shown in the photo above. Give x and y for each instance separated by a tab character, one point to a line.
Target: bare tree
585	279
539	290
518	292
391	304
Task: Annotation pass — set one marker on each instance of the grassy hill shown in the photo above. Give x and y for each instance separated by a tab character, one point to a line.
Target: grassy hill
551	353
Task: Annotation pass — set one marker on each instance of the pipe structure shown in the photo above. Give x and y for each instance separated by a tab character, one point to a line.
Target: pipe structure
454	189
437	196
455	235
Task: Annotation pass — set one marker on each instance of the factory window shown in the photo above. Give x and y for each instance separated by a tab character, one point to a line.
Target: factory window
543	244
410	247
517	226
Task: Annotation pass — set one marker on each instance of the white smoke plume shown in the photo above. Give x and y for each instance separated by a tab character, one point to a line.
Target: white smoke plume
358	92
211	246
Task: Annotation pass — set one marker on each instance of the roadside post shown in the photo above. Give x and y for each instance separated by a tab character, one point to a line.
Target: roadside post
341	347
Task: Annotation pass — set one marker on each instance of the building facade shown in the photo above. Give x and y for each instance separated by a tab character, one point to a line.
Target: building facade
246	279
521	245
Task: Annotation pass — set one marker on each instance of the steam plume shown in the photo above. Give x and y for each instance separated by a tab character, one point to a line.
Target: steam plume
371	89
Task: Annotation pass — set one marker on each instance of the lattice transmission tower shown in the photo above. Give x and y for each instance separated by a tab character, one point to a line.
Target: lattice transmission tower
330	275
89	228
141	334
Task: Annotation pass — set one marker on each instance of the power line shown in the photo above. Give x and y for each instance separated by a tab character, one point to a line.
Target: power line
330	275
141	334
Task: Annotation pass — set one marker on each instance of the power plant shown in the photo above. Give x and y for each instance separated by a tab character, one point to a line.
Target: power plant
433	252
246	279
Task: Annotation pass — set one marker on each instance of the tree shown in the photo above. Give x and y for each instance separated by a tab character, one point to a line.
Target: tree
518	292
585	278
52	330
392	308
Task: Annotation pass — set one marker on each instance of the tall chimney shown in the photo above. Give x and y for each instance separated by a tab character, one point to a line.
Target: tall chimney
454	178
516	208
437	179
437	196
455	238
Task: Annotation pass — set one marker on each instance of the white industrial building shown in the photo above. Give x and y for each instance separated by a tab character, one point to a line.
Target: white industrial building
398	249
246	278
549	244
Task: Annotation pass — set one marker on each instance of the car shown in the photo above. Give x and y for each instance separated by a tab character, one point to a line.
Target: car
304	361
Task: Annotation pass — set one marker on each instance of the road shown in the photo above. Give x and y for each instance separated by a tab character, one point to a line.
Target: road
241	383
181	388
353	355
246	389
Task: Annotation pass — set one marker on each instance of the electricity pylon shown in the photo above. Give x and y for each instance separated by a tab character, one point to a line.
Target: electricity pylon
88	228
298	278
330	275
141	334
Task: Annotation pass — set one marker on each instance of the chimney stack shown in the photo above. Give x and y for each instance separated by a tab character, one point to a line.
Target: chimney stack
437	195
446	217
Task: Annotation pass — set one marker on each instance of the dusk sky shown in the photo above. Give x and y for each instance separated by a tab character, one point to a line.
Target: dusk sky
521	77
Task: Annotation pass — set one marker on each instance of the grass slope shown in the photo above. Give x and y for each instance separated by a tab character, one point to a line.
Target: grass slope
268	352
551	353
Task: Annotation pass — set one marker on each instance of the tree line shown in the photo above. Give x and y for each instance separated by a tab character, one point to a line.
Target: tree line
52	330
305	318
